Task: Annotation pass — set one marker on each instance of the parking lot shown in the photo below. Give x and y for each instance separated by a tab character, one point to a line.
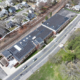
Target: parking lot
2	73
67	13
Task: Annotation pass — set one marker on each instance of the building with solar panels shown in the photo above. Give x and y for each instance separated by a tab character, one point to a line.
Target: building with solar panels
56	23
25	47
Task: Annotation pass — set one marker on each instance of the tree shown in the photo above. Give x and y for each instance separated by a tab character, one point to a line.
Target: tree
3	24
46	18
50	14
49	2
18	19
41	4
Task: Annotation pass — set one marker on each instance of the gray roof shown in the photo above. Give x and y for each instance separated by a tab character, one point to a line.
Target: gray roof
41	32
26	45
3	31
6	53
56	21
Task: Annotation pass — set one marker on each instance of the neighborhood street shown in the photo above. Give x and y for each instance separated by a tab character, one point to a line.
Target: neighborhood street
45	52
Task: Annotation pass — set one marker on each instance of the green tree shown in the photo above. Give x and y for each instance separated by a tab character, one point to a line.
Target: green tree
46	18
50	14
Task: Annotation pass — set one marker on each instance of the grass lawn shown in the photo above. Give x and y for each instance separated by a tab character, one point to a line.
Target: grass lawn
0	0
72	10
12	28
19	10
48	71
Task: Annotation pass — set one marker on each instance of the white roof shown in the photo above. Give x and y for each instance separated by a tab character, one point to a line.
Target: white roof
77	7
17	47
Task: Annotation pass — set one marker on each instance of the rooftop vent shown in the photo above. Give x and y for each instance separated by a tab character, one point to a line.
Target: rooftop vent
26	37
29	35
23	40
34	37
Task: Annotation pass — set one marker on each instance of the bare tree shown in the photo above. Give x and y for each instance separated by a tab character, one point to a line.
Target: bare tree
41	4
3	24
49	2
18	19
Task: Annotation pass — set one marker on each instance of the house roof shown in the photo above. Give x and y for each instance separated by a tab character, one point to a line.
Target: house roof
55	22
31	15
12	8
4	61
10	24
3	31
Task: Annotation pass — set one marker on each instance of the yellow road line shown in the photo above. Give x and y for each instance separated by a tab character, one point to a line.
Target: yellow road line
45	52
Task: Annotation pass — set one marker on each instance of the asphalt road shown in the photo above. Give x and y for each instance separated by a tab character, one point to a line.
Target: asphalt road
44	52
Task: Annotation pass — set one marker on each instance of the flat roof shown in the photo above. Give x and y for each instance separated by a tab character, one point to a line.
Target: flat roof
41	32
24	46
6	53
19	54
55	22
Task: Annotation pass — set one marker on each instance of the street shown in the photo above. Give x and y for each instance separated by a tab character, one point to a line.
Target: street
45	52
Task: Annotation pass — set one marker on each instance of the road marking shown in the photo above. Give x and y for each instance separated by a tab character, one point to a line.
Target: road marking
47	51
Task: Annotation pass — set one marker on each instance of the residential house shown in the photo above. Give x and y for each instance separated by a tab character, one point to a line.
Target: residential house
56	23
2	32
10	24
76	7
12	9
9	3
3	4
24	4
3	12
18	6
31	16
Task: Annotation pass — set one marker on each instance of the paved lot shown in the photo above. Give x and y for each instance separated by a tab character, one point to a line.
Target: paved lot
2	73
66	13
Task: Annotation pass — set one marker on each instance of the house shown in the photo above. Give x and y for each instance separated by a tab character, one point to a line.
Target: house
9	3
24	4
18	6
3	4
12	9
2	32
25	47
4	62
76	7
30	16
10	24
3	12
31	10
56	23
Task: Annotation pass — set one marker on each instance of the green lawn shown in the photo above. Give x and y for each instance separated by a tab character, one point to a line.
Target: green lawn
12	28
72	10
48	71
0	0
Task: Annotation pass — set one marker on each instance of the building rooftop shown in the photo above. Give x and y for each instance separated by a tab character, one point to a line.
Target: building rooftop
21	49
55	22
2	32
27	44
